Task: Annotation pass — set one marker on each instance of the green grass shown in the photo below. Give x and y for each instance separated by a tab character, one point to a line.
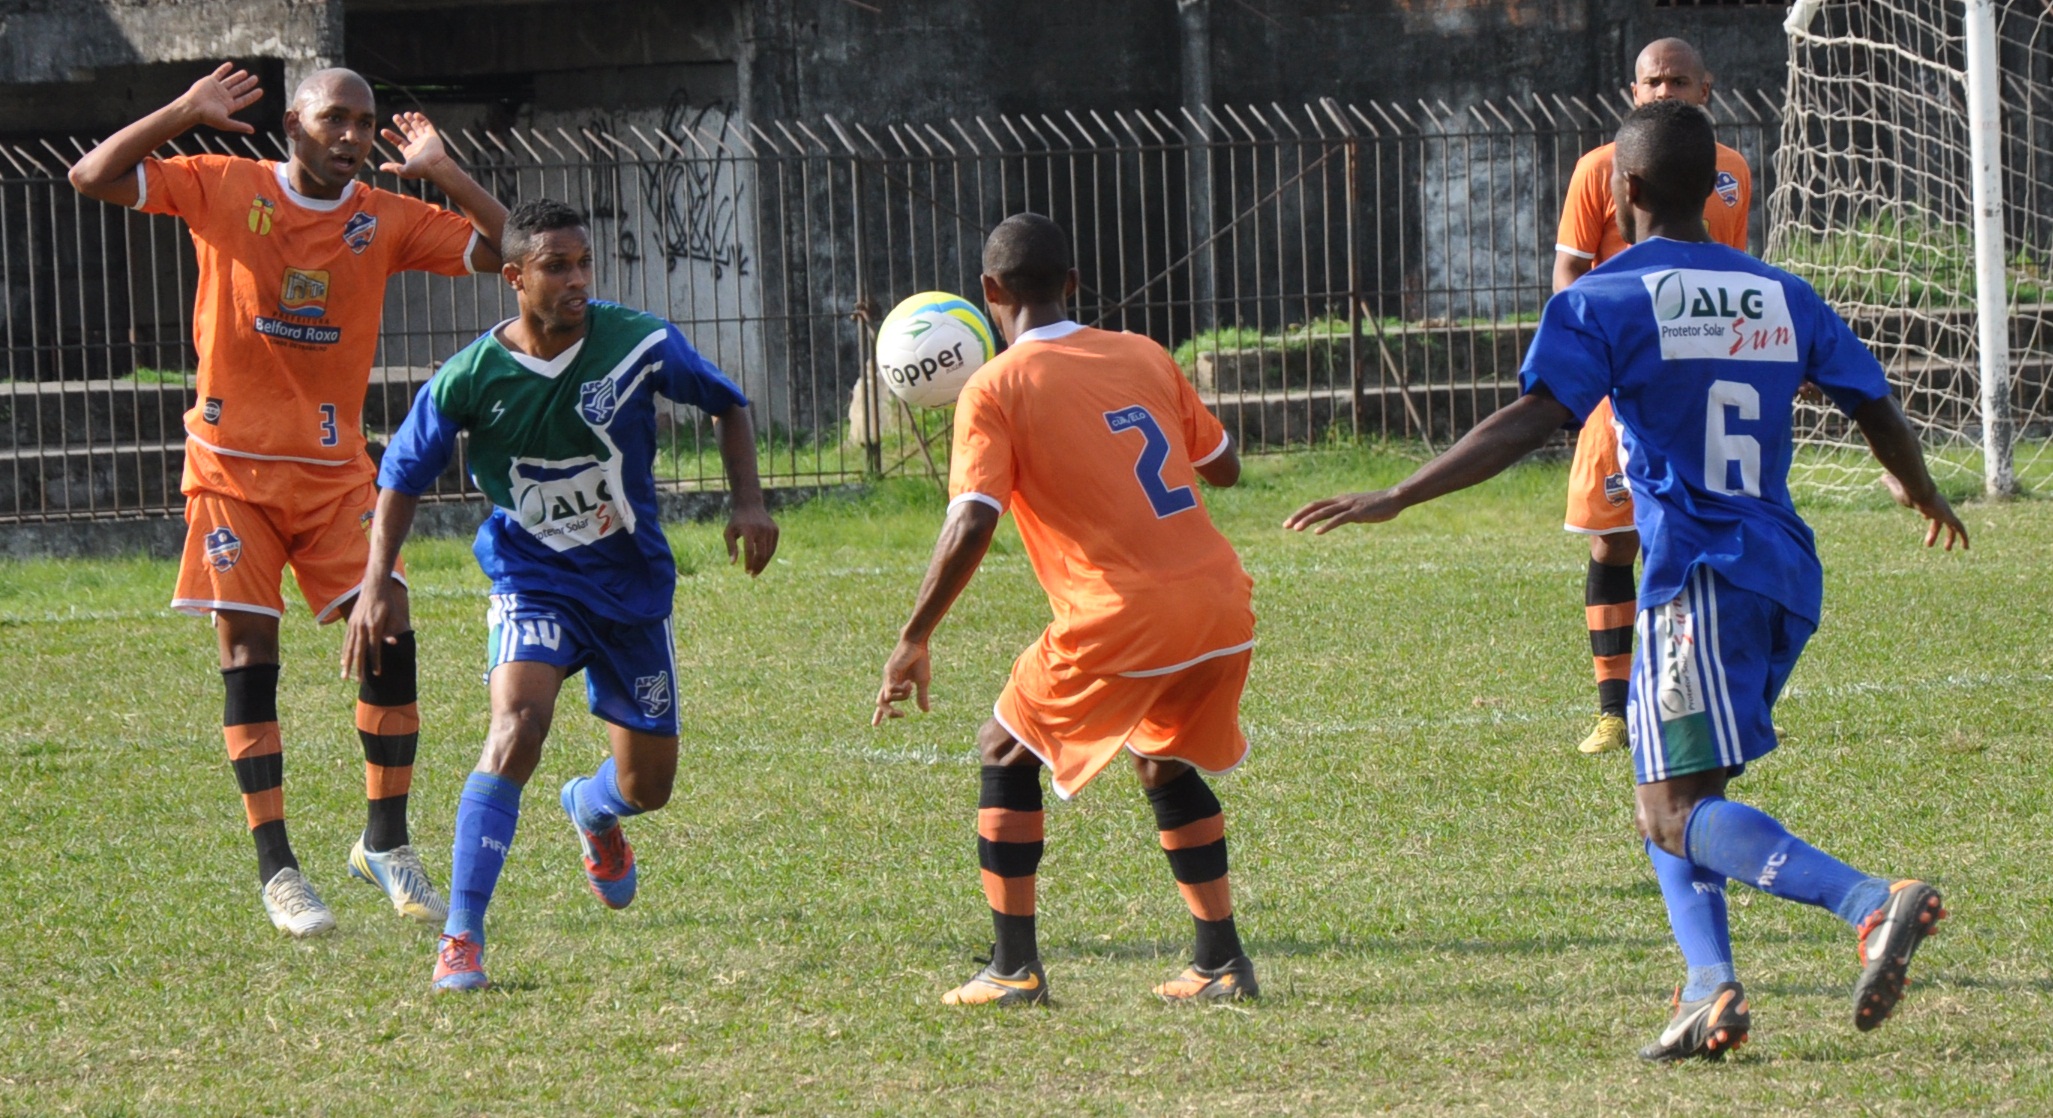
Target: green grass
1447	904
1912	259
144	374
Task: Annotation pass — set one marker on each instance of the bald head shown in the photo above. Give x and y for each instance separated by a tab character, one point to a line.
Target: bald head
1670	69
329	87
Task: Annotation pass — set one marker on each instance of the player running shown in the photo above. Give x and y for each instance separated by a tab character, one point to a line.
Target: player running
293	259
560	405
1701	349
1094	441
1599	499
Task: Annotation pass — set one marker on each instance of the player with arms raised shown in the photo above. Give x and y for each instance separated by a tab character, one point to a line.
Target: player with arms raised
1599	497
293	261
1094	441
560	404
1701	350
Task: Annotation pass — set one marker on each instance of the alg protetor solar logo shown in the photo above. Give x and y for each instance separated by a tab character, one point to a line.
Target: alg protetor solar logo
1723	316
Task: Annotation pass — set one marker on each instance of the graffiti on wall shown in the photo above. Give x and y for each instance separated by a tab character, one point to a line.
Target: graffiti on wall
695	204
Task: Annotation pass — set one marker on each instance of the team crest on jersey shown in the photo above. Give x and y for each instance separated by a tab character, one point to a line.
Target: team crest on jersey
1728	187
359	230
597	400
1615	489
224	548
303	293
261	211
653	693
364	521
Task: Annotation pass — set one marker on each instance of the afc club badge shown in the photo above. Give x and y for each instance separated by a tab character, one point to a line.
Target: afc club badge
1615	489
224	548
1728	187
653	693
359	230
597	400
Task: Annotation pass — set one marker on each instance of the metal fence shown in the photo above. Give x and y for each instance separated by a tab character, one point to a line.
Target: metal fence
1323	271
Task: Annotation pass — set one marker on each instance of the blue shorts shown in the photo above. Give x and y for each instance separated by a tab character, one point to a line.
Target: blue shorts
1705	676
630	669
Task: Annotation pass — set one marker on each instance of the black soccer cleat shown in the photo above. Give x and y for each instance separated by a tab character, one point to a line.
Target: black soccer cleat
1708	1027
1889	937
1230	982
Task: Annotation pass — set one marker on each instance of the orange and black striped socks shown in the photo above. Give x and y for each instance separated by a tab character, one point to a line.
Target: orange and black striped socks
249	723
388	722
1194	836
1609	606
1011	833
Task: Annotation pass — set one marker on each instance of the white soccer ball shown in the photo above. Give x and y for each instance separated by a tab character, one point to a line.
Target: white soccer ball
929	345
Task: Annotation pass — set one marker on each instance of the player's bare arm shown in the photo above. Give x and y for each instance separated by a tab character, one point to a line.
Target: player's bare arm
751	535
1492	447
1568	268
379	615
964	539
1895	445
1222	472
107	172
423	155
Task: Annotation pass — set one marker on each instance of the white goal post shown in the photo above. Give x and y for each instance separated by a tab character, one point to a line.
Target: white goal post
1914	188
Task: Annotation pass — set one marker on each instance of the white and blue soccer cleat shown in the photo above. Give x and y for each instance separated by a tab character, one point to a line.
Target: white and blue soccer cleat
294	907
399	873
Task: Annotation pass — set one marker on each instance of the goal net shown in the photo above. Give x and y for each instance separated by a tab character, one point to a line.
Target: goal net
1874	203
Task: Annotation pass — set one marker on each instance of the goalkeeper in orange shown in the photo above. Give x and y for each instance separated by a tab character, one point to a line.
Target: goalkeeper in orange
1094	441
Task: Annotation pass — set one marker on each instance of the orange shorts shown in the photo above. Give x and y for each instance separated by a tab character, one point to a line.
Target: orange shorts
246	520
1598	501
1077	723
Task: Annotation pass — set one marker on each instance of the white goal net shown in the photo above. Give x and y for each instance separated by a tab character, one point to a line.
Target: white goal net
1875	203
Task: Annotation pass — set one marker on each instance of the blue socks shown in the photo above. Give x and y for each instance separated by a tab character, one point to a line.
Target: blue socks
599	803
1740	842
1696	911
485	818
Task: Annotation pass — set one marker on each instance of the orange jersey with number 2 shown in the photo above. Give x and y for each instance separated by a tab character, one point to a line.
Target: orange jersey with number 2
1088	439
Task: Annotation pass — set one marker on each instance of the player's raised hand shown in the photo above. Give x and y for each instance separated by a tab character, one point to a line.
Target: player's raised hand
1935	509
752	538
1322	516
906	676
216	98
420	146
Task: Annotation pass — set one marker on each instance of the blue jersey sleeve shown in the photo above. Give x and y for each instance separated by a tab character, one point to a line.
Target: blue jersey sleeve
1839	362
688	378
1570	355
421	449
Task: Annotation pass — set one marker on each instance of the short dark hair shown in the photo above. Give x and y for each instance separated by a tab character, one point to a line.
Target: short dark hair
1673	149
528	221
1029	254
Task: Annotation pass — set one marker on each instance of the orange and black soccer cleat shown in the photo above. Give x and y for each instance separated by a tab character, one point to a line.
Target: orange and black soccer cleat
1889	937
1026	986
1709	1027
1230	982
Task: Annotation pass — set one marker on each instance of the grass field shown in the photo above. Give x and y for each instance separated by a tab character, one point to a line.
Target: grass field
1447	904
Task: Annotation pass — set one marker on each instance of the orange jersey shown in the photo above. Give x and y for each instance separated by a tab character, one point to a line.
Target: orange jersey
1088	438
291	293
1589	216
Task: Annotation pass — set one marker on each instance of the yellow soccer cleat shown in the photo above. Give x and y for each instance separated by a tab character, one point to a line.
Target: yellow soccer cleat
1232	982
1607	736
1026	986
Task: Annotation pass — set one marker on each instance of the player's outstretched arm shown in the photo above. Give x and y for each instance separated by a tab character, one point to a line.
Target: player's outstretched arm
423	155
1896	446
108	172
748	522
964	540
1493	446
370	622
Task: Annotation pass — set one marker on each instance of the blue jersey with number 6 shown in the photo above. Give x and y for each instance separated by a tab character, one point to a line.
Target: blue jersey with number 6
1701	350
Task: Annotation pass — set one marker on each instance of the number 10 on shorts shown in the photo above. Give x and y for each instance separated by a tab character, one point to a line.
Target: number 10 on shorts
1154	455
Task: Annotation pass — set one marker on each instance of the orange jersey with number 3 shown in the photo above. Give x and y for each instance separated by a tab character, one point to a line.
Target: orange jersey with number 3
291	294
1589	216
1089	440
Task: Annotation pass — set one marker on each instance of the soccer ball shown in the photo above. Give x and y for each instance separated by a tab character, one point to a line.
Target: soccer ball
929	345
